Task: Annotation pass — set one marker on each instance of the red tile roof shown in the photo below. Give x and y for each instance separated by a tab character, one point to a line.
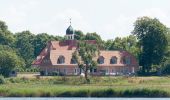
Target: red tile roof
66	48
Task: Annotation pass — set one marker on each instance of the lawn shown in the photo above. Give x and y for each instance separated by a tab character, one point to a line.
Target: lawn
76	86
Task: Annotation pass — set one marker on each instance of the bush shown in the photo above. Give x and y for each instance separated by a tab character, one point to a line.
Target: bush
55	73
166	68
42	73
2	79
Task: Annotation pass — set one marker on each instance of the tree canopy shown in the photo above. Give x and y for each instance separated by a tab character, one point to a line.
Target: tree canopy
9	62
84	56
152	39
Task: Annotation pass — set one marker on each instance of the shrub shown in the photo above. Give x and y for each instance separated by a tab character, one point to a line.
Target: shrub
42	73
55	73
2	79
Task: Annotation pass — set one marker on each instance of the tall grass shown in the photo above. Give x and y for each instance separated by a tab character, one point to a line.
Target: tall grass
107	92
77	87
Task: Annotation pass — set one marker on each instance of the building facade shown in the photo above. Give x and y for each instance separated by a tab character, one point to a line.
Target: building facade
57	57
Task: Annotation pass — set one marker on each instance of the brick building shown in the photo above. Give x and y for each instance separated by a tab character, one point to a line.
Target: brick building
57	57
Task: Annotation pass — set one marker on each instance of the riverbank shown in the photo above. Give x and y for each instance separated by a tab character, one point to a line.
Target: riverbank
76	87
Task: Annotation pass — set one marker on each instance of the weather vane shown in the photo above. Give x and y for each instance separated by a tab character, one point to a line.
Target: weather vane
70	21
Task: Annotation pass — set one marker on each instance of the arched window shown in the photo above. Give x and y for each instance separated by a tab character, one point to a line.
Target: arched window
61	60
73	61
100	60
113	60
126	60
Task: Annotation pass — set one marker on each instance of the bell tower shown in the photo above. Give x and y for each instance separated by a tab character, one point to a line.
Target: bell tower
70	32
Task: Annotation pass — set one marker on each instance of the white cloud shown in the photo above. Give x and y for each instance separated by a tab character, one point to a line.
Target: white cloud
78	21
159	13
42	16
122	25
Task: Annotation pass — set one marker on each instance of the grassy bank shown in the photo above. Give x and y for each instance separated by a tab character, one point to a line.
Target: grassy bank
76	87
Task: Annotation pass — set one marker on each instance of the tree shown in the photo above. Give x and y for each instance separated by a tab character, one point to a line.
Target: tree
84	56
40	41
9	61
78	35
128	43
6	37
92	36
24	44
108	44
153	42
95	36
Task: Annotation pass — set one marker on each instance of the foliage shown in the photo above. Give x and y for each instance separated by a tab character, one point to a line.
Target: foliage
128	43
2	80
153	42
27	45
8	62
24	41
78	35
84	56
40	41
6	37
66	87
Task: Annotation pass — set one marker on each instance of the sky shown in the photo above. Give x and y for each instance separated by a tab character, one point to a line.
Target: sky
108	18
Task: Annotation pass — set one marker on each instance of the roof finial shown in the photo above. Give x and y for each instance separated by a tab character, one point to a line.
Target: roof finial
70	21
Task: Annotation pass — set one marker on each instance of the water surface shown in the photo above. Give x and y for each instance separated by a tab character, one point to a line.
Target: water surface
27	98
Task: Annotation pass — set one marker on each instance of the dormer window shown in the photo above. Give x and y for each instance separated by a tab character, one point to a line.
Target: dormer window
73	61
126	60
61	60
113	60
100	60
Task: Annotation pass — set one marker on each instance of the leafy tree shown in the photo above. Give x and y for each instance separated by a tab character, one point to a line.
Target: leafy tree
108	44
6	37
24	44
117	44
128	43
84	56
8	62
92	36
40	41
153	42
78	35
95	36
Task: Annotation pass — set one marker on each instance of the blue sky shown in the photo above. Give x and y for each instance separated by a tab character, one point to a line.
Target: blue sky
109	18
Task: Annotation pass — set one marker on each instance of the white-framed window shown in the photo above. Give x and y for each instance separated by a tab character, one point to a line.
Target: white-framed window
126	60
75	70
73	61
61	60
113	60
107	70
100	60
65	71
133	69
113	70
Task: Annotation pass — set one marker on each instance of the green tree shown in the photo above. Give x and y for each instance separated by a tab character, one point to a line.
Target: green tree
9	61
84	56
95	36
153	42
40	41
108	44
24	44
6	37
128	43
78	35
92	36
